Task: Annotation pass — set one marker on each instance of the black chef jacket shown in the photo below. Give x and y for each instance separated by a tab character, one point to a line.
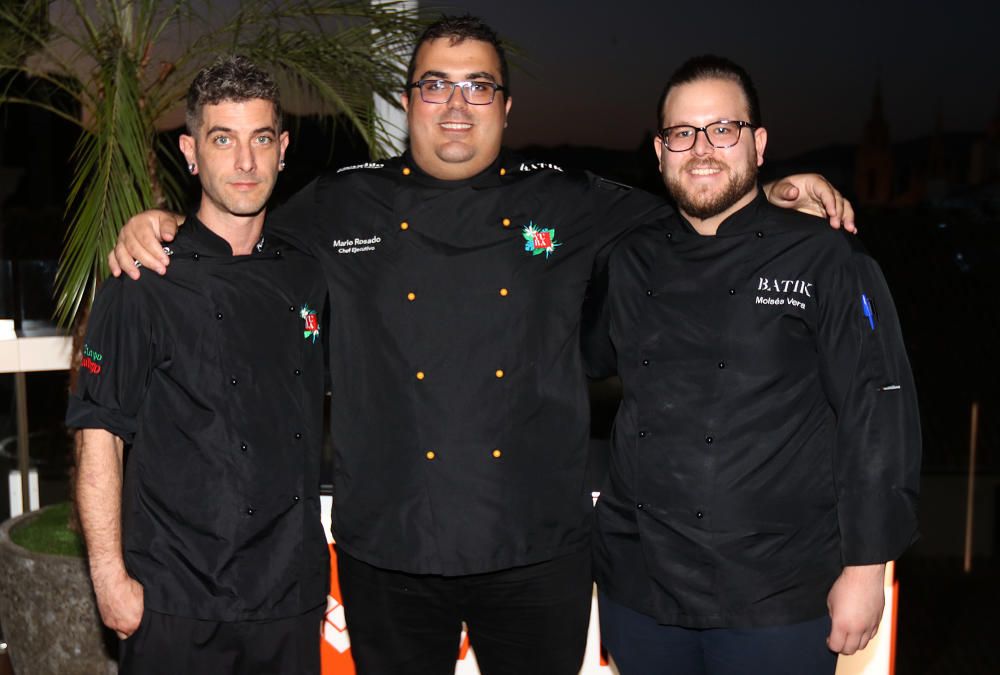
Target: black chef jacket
460	410
214	375
769	431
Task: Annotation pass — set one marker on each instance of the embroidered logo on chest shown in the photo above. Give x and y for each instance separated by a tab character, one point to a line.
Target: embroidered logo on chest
539	240
792	292
311	323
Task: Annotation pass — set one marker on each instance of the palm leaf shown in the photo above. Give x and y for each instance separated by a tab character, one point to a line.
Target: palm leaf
111	182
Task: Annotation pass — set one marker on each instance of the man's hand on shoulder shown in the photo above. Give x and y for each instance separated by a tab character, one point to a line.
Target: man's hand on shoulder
811	193
856	601
141	240
120	602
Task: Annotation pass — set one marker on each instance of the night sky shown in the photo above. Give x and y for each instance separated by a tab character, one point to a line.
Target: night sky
589	73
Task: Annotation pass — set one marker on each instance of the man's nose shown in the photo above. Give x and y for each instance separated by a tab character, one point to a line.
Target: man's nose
701	145
245	160
457	98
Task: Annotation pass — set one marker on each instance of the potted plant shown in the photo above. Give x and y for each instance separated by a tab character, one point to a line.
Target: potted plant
50	617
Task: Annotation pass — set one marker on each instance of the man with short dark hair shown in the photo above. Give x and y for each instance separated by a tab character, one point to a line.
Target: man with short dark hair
459	417
765	460
200	404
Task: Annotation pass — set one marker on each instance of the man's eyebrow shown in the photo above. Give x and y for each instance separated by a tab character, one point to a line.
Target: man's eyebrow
481	75
227	130
441	75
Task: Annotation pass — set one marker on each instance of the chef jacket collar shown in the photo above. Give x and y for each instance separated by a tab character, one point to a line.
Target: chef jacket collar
747	219
196	237
488	177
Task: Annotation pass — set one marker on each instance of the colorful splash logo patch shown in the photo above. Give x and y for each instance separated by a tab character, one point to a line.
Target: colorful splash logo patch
91	360
538	240
311	323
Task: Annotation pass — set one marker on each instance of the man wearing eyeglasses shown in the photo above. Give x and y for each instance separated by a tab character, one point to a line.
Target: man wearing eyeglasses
765	459
460	414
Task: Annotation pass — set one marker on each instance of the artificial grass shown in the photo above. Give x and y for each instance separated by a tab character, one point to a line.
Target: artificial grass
49	533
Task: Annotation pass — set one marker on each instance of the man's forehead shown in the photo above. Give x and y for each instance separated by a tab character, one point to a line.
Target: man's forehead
705	100
255	113
442	55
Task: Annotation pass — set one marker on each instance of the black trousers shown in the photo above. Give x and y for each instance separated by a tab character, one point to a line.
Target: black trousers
641	646
174	645
521	621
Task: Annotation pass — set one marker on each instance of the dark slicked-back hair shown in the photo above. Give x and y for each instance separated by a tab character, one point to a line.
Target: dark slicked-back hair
458	29
232	78
711	67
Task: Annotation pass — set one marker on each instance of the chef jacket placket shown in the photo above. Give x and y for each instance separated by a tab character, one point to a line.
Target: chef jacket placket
454	283
235	376
236	355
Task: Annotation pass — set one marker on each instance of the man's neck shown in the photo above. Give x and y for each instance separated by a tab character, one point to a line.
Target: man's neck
241	232
455	172
709	226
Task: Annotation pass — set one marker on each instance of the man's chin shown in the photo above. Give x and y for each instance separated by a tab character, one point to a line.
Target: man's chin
456	153
245	210
706	207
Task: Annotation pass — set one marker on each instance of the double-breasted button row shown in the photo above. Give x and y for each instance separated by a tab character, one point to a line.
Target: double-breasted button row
697	514
496	453
498	373
503	292
251	510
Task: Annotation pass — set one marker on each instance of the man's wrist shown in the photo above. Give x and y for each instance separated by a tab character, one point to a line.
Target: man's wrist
108	572
876	569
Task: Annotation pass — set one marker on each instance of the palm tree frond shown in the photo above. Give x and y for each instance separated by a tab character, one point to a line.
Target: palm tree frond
111	182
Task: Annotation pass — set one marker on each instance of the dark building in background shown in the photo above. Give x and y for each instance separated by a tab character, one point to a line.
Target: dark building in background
873	170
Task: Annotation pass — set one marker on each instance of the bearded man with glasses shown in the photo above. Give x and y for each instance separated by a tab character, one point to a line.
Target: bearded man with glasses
766	456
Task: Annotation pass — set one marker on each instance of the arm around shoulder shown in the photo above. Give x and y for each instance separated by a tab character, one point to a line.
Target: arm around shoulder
141	241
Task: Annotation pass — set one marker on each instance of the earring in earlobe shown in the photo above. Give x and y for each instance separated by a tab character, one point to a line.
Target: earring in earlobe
281	165
191	168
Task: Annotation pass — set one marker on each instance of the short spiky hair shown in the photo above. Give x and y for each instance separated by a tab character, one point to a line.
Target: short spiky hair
711	67
458	29
232	78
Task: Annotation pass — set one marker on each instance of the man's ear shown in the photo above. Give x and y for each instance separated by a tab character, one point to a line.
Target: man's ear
760	141
188	147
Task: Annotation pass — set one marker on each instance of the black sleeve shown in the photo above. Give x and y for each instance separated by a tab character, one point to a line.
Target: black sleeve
118	358
619	209
868	381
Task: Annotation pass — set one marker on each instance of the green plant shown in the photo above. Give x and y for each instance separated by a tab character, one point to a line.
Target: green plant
119	69
49	532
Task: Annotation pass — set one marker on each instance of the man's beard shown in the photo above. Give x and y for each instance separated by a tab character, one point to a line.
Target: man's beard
707	204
